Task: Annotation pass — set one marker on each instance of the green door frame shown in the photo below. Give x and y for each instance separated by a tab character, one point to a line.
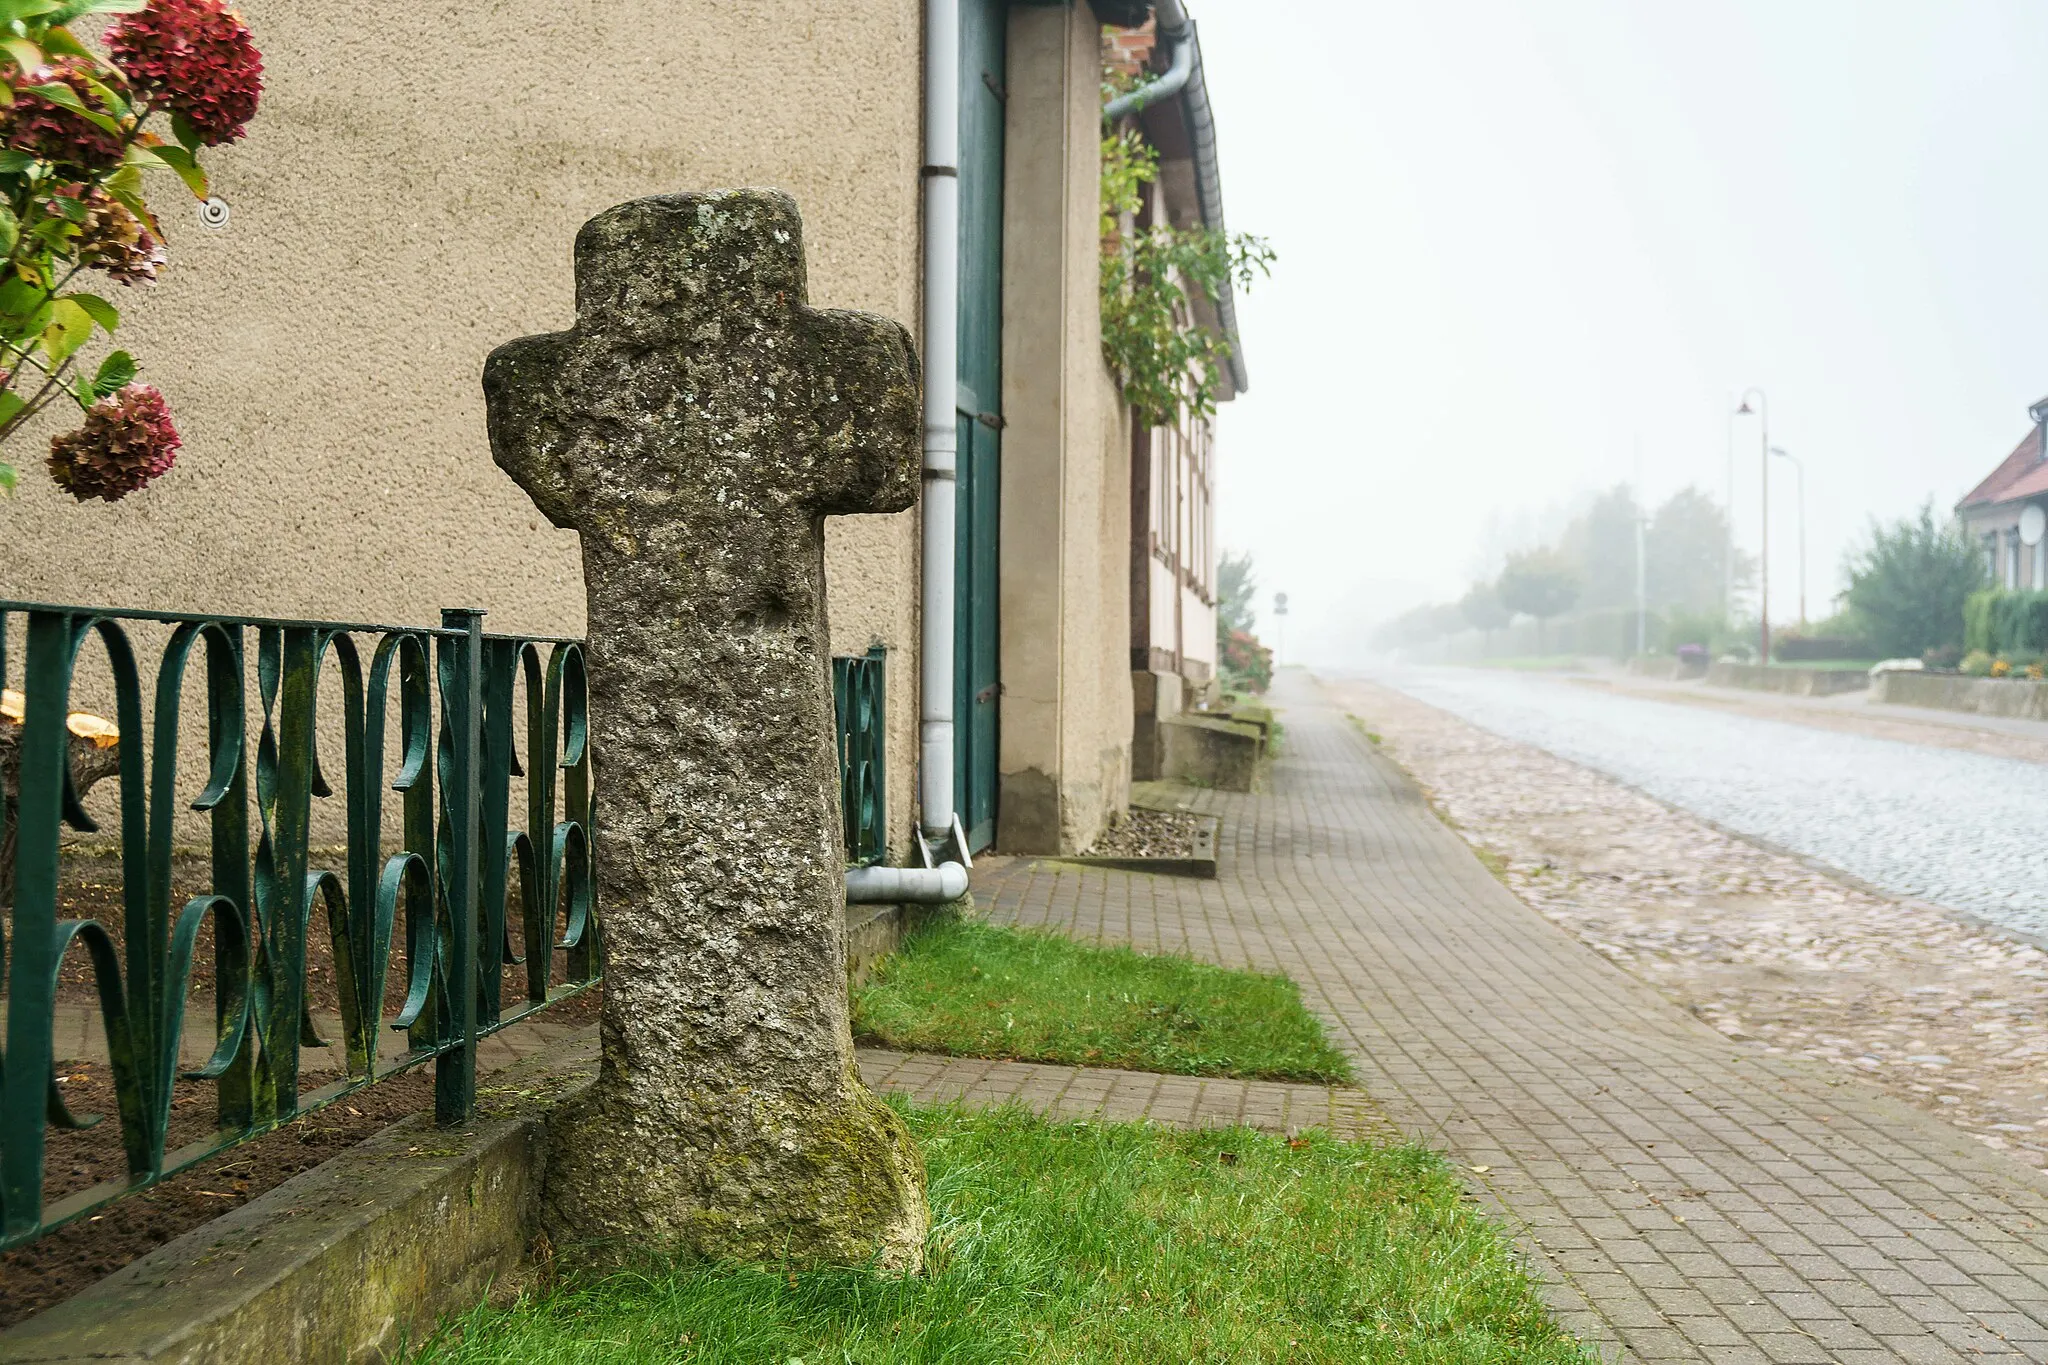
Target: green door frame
977	698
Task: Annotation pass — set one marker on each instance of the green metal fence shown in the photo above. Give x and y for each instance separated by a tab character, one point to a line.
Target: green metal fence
857	694
440	899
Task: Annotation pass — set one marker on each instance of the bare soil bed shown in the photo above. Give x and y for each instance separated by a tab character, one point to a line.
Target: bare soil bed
61	1263
1150	834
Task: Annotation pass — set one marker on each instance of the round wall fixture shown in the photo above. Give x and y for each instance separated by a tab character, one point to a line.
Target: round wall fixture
213	212
2033	521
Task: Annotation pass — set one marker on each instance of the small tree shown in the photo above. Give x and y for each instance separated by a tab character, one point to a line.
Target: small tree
1481	607
1167	365
75	141
1907	586
1415	626
1687	545
1237	591
1538	583
1600	546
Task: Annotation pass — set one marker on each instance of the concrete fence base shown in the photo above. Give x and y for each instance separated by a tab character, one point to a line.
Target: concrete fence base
1212	752
1667	666
2020	698
1798	682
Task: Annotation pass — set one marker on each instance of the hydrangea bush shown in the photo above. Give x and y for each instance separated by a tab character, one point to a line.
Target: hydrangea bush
78	131
1168	366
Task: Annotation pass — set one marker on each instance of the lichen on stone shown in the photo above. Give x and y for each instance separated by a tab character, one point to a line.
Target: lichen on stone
695	427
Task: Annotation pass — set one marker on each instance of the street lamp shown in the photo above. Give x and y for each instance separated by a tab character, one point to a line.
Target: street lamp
1763	610
1728	528
1800	469
1280	613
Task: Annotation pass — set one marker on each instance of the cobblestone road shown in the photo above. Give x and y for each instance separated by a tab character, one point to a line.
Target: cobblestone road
1772	950
1965	830
1692	1199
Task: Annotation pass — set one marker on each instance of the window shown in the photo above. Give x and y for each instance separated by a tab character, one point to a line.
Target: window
2012	559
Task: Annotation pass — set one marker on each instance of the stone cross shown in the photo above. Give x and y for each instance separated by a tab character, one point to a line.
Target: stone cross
695	427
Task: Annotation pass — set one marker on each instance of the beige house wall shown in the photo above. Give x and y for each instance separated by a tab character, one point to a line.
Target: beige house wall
404	203
2010	563
1066	717
399	210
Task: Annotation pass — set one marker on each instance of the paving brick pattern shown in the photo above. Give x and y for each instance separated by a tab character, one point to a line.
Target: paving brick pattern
1073	1092
1686	1199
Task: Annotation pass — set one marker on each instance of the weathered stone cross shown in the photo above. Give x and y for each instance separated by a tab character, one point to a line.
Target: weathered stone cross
695	428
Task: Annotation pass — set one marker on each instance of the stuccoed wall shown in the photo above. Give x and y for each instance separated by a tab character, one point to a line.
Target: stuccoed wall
1800	682
405	201
1065	574
2019	697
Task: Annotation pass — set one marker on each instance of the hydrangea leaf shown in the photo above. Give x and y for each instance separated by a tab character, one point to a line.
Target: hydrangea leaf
179	160
64	97
98	309
116	372
70	325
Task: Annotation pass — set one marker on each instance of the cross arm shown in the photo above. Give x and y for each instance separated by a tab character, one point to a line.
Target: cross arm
522	403
867	406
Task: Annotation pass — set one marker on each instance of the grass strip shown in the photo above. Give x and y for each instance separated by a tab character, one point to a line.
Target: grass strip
982	990
1092	1242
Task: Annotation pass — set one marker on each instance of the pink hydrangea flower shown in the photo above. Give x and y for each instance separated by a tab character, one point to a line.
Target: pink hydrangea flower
127	440
53	133
197	58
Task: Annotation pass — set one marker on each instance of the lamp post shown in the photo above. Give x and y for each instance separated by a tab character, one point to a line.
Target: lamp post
1642	520
1763	609
1728	530
1280	621
1799	469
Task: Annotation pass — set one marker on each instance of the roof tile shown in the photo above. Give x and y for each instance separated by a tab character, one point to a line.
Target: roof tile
2021	474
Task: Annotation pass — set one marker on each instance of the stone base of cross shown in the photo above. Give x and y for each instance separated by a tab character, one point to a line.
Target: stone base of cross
695	427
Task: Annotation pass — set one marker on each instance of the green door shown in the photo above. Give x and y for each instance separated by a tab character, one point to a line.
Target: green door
977	696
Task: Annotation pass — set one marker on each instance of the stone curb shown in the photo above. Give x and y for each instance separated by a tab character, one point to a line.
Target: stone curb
1201	863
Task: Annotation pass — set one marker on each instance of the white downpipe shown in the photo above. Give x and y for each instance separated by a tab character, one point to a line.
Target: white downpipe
900	885
941	400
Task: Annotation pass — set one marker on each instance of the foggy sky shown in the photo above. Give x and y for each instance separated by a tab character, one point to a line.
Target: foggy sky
1520	241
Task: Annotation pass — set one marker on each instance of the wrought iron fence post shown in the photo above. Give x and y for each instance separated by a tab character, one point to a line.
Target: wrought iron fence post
31	995
455	1071
499	759
226	723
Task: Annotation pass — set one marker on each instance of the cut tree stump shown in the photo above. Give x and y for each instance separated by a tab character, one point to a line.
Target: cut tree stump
95	755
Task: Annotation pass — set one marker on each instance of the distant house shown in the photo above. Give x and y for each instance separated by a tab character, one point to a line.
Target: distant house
1173	551
1996	511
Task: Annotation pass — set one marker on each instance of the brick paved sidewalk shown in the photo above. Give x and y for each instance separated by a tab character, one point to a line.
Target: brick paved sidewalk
1075	1092
1688	1199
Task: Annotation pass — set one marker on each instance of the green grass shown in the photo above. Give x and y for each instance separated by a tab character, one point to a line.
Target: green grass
1056	1243
980	990
1371	736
